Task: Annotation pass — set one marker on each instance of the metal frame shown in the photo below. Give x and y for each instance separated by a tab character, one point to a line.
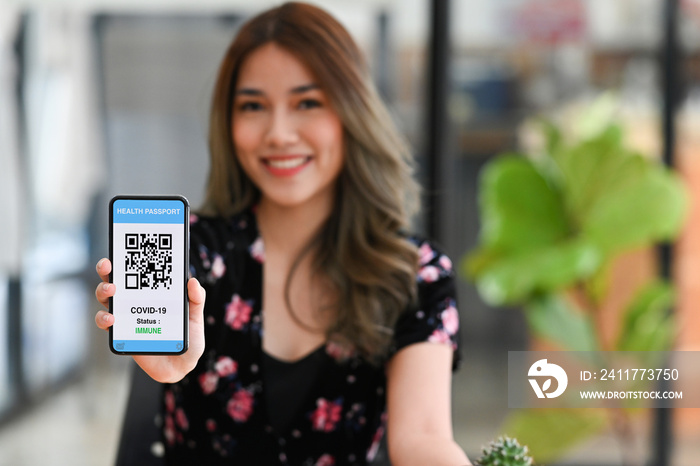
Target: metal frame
18	387
670	67
437	124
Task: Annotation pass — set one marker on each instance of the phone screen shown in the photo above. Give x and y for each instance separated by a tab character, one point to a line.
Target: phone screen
149	252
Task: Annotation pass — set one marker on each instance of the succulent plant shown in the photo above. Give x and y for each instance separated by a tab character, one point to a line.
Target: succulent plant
505	451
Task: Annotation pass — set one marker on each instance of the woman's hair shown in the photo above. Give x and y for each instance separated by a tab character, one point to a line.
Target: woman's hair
360	249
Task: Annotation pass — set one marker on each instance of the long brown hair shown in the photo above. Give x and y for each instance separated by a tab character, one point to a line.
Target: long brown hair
360	249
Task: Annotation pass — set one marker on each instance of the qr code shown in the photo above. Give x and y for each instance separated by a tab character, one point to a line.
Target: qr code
149	261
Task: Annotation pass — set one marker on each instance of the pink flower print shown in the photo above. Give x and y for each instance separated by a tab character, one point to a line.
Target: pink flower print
204	256
325	460
376	440
237	313
338	351
208	381
169	401
439	336
169	430
326	415
426	253
257	250
181	419
225	366
445	263
240	406
210	425
429	273
218	268
450	320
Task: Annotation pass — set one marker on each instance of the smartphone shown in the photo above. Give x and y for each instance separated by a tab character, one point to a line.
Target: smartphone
149	251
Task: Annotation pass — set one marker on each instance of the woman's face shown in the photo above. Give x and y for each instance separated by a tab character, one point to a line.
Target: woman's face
287	137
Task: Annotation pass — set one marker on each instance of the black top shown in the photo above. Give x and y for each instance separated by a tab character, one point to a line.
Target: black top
289	383
230	408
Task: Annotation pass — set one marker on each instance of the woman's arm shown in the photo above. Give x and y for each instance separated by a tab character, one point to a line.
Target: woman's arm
419	426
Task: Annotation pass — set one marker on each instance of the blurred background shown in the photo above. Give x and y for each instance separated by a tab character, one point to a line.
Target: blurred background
100	97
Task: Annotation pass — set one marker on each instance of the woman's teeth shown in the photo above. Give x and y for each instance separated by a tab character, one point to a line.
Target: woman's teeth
286	163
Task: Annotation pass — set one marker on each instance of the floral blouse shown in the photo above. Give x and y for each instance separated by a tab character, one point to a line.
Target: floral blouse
217	413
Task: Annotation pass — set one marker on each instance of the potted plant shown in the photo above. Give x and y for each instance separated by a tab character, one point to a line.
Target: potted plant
504	451
554	220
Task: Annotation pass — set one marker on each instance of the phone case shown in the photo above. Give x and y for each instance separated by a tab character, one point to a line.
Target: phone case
149	252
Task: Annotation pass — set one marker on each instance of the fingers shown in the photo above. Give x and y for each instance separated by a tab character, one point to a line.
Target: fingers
197	296
104	267
104	320
103	292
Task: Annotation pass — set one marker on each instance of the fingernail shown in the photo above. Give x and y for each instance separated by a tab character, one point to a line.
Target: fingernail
105	286
105	317
99	264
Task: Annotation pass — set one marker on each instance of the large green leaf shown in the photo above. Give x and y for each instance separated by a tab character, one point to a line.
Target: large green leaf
647	324
554	319
648	207
519	209
591	168
516	278
618	198
549	433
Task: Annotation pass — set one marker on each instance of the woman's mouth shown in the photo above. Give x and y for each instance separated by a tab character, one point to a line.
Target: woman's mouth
286	165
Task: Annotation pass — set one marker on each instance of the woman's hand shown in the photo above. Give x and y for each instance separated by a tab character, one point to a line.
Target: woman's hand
166	369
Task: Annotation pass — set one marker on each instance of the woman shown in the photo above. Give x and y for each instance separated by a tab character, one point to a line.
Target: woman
308	177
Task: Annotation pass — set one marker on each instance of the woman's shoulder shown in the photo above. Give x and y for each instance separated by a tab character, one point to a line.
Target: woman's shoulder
434	318
433	263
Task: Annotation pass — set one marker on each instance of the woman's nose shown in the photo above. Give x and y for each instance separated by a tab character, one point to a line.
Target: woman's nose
283	130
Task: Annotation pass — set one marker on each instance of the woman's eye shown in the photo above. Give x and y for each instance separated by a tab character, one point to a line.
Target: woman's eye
250	106
309	103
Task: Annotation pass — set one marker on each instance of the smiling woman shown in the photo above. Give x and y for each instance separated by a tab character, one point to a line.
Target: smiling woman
294	83
326	323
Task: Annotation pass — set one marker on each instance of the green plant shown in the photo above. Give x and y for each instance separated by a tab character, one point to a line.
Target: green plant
552	223
504	451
